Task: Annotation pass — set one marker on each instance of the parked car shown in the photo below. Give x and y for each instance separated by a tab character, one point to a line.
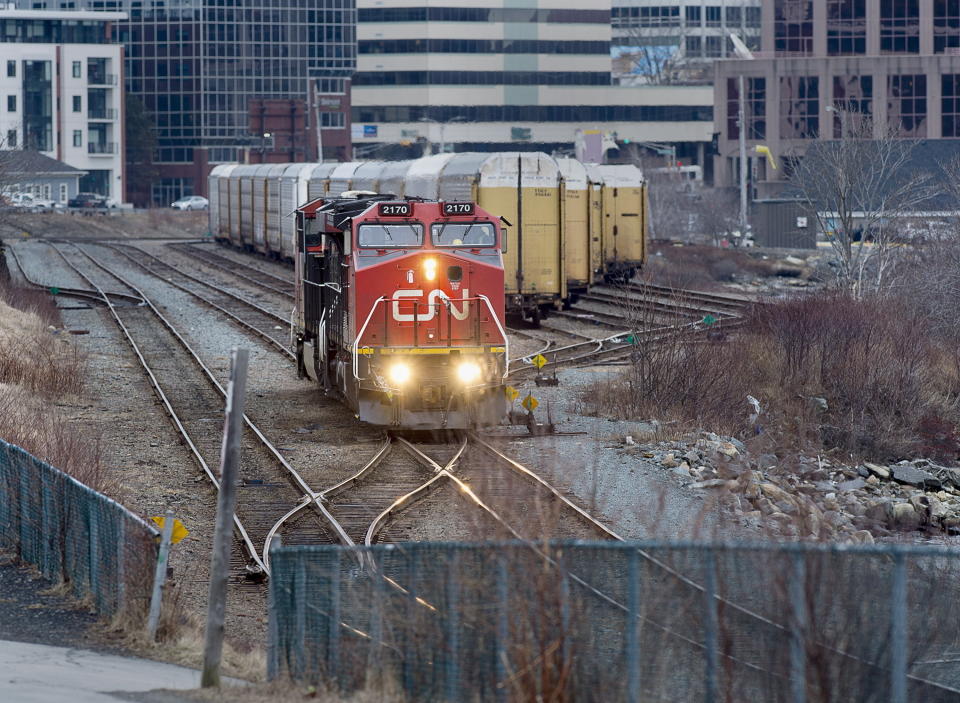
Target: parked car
31	203
191	202
86	200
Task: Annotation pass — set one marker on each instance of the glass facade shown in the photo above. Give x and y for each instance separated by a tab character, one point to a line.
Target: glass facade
907	104
899	26
846	27
793	26
480	14
799	107
38	105
950	104
946	25
535	113
755	107
853	99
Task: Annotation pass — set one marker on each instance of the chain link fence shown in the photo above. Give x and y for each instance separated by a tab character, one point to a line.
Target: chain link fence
625	621
75	535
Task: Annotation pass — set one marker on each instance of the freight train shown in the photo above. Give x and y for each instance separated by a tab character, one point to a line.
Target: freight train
571	224
400	308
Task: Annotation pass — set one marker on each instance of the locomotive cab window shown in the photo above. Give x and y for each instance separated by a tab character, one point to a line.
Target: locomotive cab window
463	234
383	236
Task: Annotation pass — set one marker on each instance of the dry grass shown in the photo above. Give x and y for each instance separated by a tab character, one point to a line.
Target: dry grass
889	380
702	267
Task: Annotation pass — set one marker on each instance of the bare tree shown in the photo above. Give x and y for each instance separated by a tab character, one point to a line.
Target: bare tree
861	188
718	212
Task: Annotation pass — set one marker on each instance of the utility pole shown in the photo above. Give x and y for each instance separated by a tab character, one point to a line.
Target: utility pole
226	505
742	124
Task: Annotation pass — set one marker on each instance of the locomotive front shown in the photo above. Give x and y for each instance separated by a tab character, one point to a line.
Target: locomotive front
416	339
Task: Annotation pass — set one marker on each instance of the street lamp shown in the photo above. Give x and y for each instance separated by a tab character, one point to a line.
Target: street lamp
443	144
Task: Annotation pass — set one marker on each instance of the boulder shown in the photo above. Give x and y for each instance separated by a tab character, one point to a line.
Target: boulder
852	485
728	449
669	461
949	475
768	461
862	537
938	511
876	470
915	477
819	405
904	517
712	483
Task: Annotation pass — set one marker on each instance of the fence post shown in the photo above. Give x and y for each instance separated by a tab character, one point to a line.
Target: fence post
503	629
93	550
273	625
710	624
333	634
453	628
898	631
121	563
226	505
160	576
798	646
633	626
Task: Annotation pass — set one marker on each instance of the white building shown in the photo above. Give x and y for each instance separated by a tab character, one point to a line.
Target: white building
61	93
489	75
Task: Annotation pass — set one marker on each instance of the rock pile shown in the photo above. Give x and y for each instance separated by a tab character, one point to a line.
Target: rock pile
813	497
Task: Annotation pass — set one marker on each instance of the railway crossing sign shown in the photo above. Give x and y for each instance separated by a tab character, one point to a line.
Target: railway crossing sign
539	361
511	393
530	403
179	531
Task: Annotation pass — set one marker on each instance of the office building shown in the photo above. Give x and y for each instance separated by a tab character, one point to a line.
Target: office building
670	42
61	93
897	61
212	74
496	76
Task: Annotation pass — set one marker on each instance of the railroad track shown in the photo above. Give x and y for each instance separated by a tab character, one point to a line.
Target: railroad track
251	274
194	401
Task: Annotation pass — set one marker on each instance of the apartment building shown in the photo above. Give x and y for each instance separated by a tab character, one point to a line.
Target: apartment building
895	60
61	93
490	75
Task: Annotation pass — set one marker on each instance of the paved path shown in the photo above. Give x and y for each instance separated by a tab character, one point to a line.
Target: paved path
37	673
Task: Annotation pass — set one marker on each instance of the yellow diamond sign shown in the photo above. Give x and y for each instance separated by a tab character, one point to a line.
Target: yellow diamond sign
179	531
539	361
530	403
511	393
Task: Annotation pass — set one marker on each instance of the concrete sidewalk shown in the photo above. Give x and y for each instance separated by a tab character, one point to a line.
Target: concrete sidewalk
37	673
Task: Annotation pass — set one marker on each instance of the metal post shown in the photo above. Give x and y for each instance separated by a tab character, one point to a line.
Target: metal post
226	505
742	121
160	576
503	628
273	624
710	626
453	629
898	631
633	626
333	633
798	652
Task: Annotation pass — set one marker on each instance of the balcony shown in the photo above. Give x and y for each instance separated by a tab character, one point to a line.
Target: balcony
97	78
101	148
102	113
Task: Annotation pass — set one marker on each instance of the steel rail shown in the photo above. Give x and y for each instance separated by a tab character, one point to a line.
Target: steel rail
196	279
291	471
201	256
206	301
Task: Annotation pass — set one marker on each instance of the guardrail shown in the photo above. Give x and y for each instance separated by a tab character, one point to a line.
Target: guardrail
105	114
101	148
75	535
619	621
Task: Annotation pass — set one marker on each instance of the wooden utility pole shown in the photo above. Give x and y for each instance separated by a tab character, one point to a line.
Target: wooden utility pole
226	505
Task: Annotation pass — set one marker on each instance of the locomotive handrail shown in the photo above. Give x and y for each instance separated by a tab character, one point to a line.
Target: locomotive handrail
356	342
503	333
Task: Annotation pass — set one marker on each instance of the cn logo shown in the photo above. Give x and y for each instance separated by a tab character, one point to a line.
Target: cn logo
431	310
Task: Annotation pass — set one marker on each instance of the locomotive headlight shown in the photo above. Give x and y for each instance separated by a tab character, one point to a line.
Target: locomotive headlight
468	372
430	269
399	374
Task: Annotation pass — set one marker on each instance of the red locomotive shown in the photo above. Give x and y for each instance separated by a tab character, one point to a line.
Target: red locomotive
400	309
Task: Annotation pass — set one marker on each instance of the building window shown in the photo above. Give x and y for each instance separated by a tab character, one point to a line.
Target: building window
799	107
755	107
77	103
753	16
946	25
846	27
77	69
77	137
793	27
853	100
11	69
332	120
714	47
733	16
713	16
63	192
331	86
166	190
693	16
11	139
694	47
907	104
950	104
11	103
899	26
